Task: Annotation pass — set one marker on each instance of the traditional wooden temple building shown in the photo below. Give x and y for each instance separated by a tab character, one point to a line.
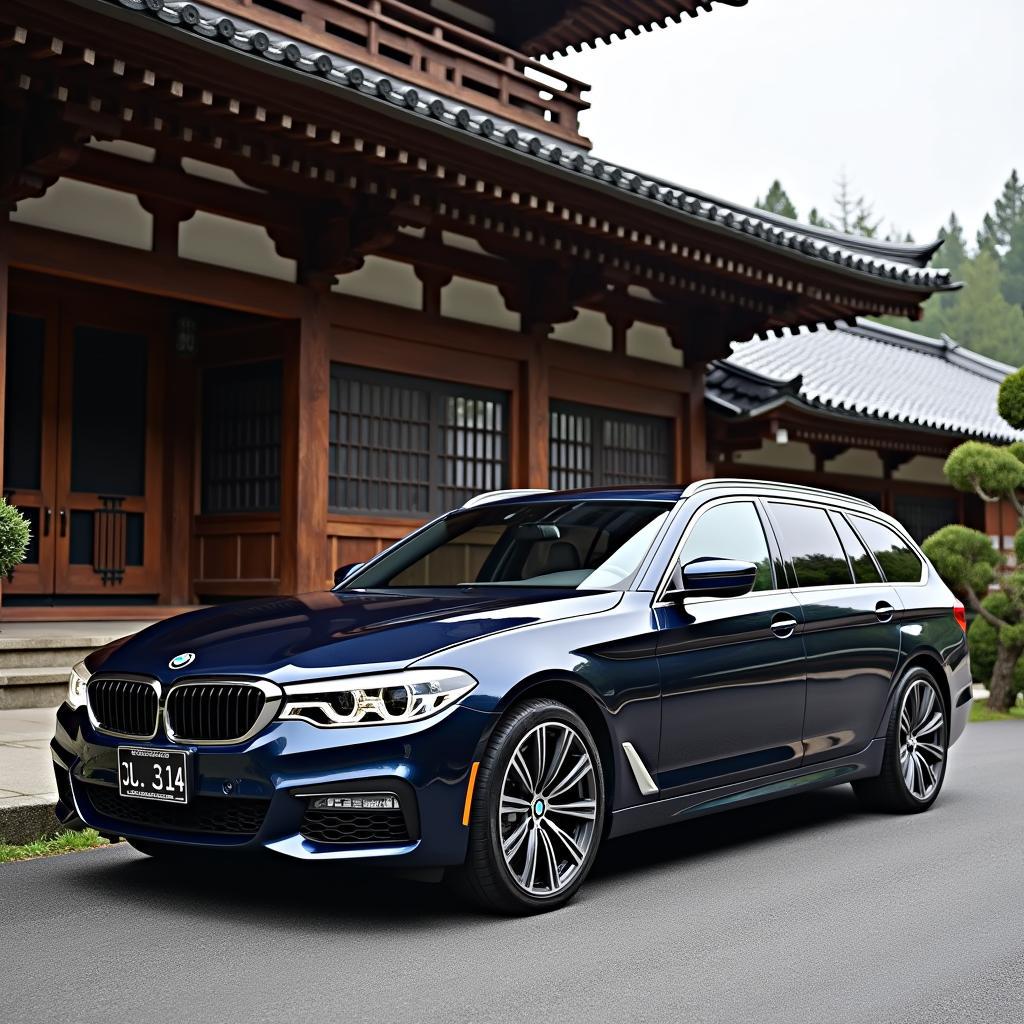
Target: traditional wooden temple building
279	279
865	409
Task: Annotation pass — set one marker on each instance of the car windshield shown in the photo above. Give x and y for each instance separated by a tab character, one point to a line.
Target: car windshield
573	544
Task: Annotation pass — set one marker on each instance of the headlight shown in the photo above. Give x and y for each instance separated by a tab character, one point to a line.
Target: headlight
386	699
76	685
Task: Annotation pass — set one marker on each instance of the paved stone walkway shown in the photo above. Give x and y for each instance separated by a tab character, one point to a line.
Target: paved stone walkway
27	790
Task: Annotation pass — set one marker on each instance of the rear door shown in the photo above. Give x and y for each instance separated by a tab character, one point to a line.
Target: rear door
732	668
851	629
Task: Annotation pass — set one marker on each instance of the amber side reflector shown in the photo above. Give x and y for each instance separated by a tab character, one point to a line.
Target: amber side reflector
960	615
469	792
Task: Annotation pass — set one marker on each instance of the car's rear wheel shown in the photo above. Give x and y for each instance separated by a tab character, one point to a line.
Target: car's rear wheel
537	811
916	745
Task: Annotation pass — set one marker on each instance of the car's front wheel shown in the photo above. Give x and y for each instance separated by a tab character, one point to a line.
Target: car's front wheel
916	744
537	811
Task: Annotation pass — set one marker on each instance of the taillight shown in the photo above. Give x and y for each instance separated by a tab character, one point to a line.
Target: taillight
960	615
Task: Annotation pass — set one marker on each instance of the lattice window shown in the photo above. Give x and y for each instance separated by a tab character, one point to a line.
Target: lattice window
595	447
241	469
410	446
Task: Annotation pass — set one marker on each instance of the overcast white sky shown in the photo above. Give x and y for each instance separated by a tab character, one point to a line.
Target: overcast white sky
922	102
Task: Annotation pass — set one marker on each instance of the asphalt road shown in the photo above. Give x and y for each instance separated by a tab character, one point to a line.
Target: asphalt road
802	910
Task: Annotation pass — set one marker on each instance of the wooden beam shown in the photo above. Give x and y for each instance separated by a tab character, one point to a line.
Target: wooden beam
85	259
304	450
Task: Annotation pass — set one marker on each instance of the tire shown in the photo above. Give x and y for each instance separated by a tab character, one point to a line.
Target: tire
531	845
916	747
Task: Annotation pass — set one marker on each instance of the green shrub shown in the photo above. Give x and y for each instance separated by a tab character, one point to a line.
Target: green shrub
14	537
963	557
974	465
1011	399
981	638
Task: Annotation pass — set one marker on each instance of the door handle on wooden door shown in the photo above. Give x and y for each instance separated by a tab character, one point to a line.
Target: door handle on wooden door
63	514
47	519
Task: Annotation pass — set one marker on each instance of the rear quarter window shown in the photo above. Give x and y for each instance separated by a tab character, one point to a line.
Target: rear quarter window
899	563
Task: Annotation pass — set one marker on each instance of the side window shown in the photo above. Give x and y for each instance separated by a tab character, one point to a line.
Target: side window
731	531
810	542
898	562
864	569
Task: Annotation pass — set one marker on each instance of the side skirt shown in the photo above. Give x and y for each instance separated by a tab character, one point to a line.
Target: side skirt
753	791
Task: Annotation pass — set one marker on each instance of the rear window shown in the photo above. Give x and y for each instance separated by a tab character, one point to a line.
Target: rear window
899	563
811	544
864	569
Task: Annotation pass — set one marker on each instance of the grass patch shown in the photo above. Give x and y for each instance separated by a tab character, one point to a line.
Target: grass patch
65	842
981	712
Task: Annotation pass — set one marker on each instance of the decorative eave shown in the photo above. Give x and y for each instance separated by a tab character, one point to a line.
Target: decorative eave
896	265
739	393
586	22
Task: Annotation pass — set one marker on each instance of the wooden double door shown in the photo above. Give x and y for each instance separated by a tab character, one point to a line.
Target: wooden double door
81	447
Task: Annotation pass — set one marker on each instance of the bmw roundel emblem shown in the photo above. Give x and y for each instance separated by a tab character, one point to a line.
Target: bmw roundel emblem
181	660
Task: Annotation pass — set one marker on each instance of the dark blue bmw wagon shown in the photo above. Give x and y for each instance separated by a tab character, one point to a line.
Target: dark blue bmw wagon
525	676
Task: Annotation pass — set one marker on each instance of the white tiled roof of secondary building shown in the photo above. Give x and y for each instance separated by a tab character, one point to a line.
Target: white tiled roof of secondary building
880	373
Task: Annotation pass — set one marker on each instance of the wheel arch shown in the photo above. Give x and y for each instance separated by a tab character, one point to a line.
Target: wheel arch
932	663
571	691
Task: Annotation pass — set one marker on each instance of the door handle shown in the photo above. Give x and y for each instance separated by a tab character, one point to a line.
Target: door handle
783	625
47	519
63	514
884	611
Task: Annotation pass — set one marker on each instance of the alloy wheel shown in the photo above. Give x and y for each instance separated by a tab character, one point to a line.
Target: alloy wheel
547	815
922	739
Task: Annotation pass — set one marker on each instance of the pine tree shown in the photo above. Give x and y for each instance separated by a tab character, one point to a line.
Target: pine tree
853	216
1013	267
1008	211
980	318
815	219
953	253
777	201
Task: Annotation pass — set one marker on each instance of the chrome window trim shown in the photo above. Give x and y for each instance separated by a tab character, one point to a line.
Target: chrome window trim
132	678
699	513
272	693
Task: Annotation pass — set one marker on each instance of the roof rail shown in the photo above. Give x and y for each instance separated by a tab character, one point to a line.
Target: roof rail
488	496
771	485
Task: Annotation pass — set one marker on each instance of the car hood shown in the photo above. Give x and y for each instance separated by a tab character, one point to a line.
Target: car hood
287	639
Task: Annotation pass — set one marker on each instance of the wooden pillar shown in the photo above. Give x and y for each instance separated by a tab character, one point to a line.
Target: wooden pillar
691	431
5	256
180	444
304	443
531	467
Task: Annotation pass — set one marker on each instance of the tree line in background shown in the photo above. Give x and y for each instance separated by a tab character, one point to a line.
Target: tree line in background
987	315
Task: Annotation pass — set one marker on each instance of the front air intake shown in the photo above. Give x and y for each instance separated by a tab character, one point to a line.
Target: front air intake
215	711
124	707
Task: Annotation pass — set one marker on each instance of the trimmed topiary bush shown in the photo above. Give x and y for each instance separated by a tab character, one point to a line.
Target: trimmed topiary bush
985	469
983	642
14	537
1011	399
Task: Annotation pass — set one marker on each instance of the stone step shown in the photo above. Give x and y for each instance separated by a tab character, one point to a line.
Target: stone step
34	686
31	652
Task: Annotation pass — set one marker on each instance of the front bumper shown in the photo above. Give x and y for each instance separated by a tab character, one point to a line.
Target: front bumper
427	764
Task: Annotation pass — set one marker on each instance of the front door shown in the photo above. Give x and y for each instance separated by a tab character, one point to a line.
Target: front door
732	669
79	450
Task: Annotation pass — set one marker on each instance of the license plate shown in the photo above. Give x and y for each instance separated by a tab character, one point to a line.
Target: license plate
153	774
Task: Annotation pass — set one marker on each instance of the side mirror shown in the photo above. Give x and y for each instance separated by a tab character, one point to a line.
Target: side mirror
343	572
715	577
